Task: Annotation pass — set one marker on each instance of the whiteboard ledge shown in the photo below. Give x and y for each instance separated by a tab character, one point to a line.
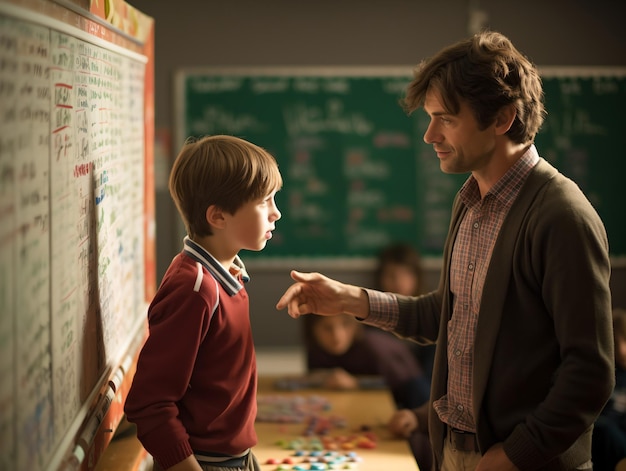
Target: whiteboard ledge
69	443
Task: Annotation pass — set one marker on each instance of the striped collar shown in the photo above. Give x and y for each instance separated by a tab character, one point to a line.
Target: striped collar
228	281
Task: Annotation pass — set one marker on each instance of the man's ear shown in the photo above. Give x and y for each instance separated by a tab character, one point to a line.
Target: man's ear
215	216
505	118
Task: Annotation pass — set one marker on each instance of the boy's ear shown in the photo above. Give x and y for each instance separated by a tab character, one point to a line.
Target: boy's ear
215	216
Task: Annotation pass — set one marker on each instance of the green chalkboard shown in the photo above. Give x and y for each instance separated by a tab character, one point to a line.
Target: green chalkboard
583	137
357	174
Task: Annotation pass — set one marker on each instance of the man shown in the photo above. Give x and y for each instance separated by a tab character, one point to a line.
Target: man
522	315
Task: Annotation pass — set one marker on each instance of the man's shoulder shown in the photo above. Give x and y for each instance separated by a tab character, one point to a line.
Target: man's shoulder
555	191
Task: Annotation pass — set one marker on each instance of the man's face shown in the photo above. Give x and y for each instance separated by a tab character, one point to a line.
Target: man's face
459	143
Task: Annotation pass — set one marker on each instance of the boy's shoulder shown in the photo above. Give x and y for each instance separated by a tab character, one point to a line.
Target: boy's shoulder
186	276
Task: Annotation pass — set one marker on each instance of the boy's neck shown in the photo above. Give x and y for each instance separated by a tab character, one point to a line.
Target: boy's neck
212	245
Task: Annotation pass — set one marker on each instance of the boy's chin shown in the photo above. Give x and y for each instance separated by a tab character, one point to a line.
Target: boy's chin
256	249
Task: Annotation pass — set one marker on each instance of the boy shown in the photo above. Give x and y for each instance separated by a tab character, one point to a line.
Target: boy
193	397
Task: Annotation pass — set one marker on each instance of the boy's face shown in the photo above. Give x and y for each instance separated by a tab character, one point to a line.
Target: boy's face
251	226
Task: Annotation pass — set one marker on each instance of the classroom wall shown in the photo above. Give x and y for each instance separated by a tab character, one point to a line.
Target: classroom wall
355	32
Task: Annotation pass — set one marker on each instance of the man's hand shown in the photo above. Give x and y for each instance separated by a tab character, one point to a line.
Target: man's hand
496	460
314	293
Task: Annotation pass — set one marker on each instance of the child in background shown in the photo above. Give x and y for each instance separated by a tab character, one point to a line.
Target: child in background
193	397
399	270
609	433
341	353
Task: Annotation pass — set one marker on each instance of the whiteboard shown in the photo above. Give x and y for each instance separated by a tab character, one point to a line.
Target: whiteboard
72	261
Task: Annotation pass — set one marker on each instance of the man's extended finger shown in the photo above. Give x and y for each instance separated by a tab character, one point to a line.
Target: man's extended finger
296	309
301	276
292	292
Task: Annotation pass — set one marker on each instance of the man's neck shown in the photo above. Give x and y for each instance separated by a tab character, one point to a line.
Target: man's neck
503	159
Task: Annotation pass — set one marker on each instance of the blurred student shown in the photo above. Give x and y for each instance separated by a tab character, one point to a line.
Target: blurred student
193	397
609	433
344	354
399	270
341	353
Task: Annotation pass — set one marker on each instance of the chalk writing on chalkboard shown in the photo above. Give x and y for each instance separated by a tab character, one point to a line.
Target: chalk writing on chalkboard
357	173
581	138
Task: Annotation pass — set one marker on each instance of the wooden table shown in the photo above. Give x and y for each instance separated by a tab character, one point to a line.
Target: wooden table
371	409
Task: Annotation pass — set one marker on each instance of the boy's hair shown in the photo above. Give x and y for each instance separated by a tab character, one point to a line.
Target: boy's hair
400	253
487	72
220	170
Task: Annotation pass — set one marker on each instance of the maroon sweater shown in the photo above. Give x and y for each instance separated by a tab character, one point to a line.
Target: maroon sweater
195	385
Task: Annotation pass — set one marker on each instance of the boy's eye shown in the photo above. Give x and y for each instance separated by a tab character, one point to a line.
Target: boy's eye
270	197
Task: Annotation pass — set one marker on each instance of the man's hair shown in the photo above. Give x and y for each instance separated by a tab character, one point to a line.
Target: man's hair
220	170
487	72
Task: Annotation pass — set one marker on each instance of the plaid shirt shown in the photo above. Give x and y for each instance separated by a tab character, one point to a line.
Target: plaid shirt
470	261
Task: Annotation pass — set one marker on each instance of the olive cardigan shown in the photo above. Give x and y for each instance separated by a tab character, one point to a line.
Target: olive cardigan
543	355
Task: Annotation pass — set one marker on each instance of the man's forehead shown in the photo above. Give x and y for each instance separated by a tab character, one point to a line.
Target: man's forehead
433	102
